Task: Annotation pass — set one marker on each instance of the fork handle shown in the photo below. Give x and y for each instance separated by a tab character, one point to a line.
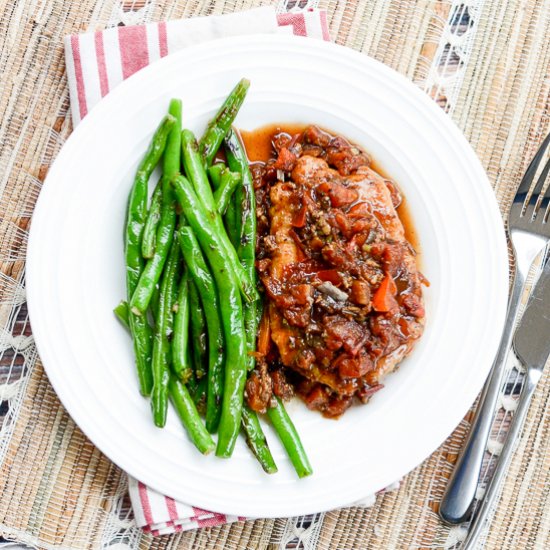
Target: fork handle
478	523
457	502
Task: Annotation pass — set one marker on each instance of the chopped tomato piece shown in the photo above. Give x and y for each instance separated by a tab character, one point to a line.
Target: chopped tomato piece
330	275
360	293
353	367
285	161
384	298
359	210
342	222
355	242
299	219
360	226
317	398
339	194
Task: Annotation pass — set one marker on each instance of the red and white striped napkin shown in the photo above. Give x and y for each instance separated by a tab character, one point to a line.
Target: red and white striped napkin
97	63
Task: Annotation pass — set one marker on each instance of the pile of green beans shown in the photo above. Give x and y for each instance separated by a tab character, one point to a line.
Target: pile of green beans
192	305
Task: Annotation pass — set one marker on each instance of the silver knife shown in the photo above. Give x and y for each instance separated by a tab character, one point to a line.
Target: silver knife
532	346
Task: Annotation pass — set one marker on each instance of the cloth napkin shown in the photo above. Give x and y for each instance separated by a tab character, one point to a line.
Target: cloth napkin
97	63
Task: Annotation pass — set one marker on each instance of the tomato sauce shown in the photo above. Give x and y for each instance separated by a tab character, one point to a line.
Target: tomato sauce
259	148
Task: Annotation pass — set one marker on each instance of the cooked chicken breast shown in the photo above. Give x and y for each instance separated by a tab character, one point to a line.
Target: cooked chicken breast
345	298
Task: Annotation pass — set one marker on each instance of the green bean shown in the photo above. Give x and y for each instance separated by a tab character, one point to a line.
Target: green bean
151	223
161	343
230	310
215	174
197	324
192	383
137	203
256	440
228	183
245	201
142	337
189	416
199	395
245	198
289	438
165	228
153	268
221	123
135	221
154	304
209	297
121	312
194	169
230	222
180	339
172	155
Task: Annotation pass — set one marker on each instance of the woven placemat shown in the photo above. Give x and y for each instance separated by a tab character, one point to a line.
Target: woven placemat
58	491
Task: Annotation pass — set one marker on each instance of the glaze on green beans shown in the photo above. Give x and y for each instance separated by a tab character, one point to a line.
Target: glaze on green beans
165	230
192	162
229	181
153	268
215	174
197	323
180	338
221	123
161	343
189	416
171	164
256	441
231	314
151	223
135	222
289	438
208	292
245	228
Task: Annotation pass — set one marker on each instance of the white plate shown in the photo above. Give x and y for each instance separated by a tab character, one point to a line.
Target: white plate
76	274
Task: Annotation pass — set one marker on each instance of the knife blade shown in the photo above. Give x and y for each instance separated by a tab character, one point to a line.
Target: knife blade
532	338
532	346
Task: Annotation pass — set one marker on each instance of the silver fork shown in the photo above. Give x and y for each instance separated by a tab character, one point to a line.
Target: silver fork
529	234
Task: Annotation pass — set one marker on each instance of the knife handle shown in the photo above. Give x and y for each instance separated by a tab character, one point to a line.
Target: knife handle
531	379
457	502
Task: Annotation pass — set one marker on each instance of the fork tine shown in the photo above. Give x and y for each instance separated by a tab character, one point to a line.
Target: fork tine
536	193
529	175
